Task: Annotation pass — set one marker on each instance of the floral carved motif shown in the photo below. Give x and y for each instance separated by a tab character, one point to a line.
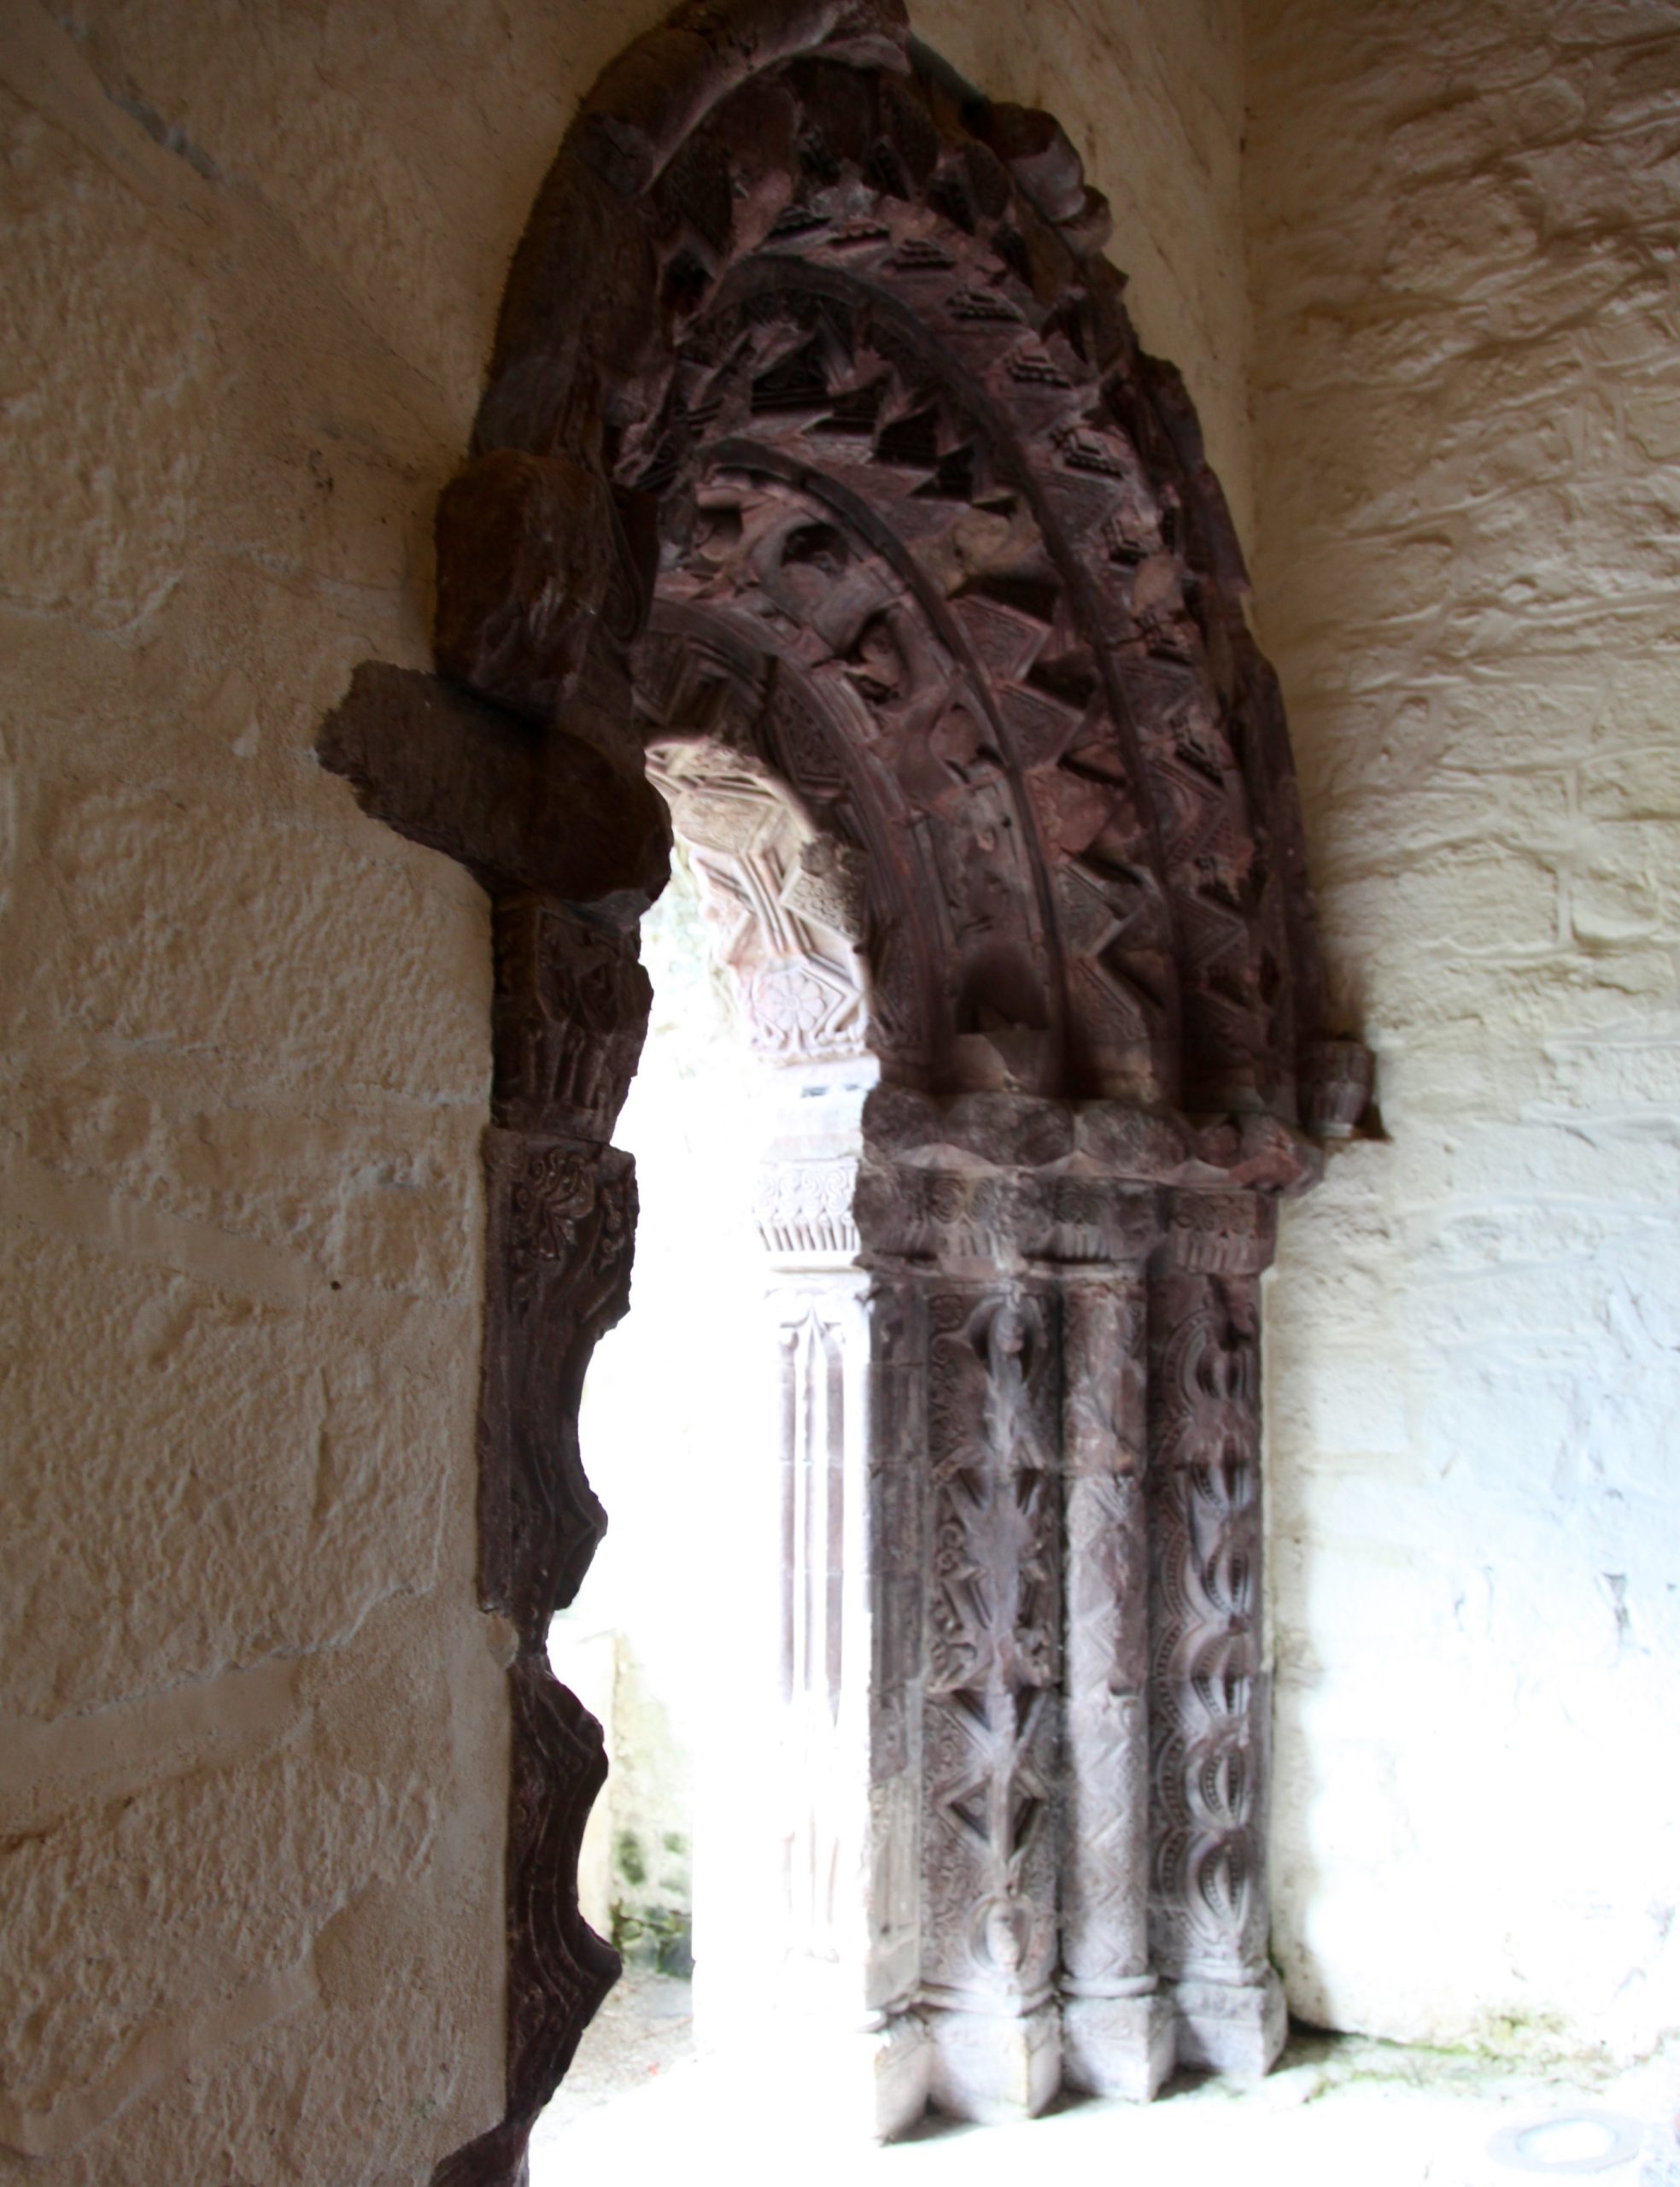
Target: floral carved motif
1207	1912
782	905
806	1210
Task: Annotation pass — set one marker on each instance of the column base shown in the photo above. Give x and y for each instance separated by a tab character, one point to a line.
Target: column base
1118	2046
901	2058
864	2084
994	2067
1230	2027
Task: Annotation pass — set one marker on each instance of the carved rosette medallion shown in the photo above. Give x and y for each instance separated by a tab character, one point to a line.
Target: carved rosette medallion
783	905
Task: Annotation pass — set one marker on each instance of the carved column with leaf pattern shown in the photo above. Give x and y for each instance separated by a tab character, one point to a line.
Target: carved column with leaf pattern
993	1661
1210	1691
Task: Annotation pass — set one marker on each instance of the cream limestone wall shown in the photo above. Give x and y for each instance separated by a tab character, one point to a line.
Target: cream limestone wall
253	1744
253	1755
1465	239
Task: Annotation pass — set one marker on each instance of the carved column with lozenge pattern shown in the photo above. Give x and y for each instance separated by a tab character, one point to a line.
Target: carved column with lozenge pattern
1117	2031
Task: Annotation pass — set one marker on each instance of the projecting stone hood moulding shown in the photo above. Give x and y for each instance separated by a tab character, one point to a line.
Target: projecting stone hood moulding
820	481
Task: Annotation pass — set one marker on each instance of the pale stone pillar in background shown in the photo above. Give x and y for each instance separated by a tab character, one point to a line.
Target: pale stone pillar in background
848	1422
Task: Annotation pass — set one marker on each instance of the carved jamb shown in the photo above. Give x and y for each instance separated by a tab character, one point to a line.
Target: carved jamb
562	1218
559	1970
571	848
1164	1874
1209	1692
569	1019
992	1662
1117	2031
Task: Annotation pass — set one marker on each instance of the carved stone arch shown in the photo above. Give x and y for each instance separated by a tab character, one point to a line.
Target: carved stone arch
785	256
820	475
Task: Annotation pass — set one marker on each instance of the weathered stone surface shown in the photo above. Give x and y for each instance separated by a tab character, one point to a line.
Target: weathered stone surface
251	330
992	780
524	808
1464	396
242	1968
246	1059
535	556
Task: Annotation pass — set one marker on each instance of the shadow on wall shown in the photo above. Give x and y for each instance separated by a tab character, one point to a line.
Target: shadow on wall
1465	424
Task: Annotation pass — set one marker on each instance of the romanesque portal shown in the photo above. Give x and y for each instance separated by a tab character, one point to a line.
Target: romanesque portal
820	477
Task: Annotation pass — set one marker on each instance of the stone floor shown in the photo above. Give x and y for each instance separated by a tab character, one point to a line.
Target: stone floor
1338	2112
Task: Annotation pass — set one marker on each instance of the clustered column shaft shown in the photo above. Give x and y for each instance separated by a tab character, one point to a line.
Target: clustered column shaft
1209	1693
1093	1701
1117	2031
991	1666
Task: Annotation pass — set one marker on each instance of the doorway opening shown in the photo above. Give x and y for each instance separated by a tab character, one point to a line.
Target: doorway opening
725	1421
820	481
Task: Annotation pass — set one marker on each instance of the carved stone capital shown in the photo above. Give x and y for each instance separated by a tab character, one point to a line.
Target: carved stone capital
1336	1079
1109	1140
805	1209
1221	1233
784	907
571	1014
